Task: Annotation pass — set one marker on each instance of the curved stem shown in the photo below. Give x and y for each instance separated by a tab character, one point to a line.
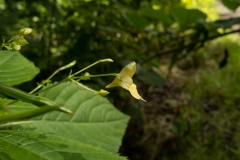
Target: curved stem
100	61
27	114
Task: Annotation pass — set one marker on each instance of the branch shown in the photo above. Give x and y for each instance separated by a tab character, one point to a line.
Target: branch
185	46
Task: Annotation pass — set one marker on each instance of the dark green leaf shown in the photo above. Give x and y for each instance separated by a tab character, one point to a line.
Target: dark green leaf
187	16
231	4
157	14
137	21
151	78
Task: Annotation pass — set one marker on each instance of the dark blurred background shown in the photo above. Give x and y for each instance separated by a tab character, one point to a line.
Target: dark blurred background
188	59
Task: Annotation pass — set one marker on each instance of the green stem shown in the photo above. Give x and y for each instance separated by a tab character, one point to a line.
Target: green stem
2	44
100	75
54	85
35	89
27	114
100	61
70	77
37	100
58	70
81	85
11	39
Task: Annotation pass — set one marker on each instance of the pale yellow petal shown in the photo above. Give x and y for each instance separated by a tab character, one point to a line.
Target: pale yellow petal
126	83
133	90
115	82
128	71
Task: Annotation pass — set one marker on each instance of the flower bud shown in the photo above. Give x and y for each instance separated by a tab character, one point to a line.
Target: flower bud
106	60
85	76
25	31
103	92
15	46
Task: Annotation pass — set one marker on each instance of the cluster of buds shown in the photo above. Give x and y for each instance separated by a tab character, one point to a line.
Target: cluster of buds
18	41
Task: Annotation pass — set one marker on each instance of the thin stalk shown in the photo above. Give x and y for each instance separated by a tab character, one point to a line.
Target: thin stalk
58	70
100	61
79	84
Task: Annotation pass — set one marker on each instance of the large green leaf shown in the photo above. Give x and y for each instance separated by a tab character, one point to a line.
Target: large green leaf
15	68
187	16
95	121
18	145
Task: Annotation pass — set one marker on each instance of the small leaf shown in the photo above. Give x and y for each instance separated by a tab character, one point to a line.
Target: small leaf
157	14
187	16
15	68
231	4
137	21
151	78
21	41
228	23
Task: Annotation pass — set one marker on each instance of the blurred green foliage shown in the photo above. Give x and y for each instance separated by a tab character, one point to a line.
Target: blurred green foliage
189	121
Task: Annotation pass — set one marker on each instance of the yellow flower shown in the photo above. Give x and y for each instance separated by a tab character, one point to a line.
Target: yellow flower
125	80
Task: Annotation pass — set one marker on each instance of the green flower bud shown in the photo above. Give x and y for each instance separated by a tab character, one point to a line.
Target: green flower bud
15	46
25	31
106	60
103	92
85	76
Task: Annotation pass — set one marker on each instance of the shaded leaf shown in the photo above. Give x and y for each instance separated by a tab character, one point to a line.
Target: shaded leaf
136	21
157	14
185	16
228	23
151	78
231	4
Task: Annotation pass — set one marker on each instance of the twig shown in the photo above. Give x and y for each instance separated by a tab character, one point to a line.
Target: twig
185	46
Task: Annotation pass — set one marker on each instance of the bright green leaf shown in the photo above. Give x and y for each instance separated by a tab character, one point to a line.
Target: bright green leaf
95	121
45	145
15	68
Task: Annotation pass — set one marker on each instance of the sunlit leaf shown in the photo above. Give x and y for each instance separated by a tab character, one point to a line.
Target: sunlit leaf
95	121
45	145
15	68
